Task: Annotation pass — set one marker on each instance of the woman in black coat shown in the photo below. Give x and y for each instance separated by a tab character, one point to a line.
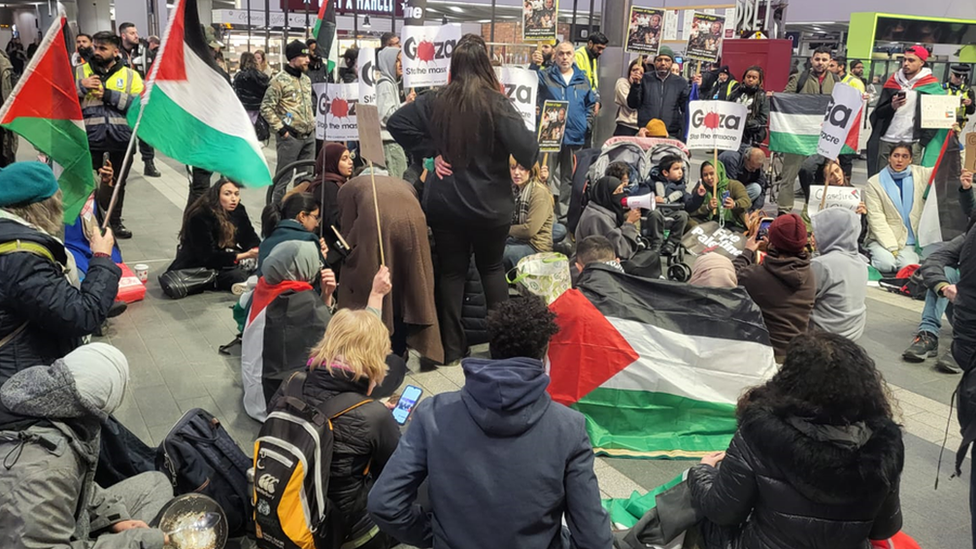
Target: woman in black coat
816	461
750	93
217	234
250	83
471	129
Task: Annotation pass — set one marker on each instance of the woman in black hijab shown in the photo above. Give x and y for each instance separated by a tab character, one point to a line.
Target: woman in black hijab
605	215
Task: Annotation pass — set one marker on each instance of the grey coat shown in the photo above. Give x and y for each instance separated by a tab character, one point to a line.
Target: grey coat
597	220
50	499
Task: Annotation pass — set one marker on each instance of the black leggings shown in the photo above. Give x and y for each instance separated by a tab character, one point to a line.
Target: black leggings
454	246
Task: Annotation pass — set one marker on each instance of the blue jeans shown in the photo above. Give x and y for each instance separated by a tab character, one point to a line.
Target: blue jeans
559	232
514	251
936	306
885	262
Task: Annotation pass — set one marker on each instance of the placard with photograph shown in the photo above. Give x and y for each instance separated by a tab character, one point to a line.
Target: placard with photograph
539	20
705	38
552	125
645	31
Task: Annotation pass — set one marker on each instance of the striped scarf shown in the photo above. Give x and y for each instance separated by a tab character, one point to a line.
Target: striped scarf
523	197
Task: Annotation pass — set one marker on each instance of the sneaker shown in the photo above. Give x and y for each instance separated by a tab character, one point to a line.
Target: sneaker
925	345
668	249
150	170
239	288
947	363
120	232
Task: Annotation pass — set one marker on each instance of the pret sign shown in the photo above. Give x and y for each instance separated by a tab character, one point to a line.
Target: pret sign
427	54
521	87
843	114
716	125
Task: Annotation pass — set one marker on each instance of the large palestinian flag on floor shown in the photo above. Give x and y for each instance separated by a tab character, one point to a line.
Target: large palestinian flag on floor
656	366
795	120
942	216
44	109
189	110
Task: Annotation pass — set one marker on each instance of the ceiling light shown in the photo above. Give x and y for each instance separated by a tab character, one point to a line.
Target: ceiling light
456	9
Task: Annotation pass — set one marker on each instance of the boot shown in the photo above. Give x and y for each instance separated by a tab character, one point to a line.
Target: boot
150	170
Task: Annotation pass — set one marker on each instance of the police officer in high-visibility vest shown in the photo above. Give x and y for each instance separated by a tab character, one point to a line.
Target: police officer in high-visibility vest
958	84
107	89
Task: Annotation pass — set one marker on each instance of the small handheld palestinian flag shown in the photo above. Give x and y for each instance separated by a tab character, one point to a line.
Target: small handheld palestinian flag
324	33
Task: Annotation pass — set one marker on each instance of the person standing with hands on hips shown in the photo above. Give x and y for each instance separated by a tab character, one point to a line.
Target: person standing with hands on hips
566	82
287	107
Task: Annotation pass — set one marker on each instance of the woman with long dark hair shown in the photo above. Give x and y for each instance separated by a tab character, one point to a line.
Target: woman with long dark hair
471	129
296	217
250	84
750	93
333	167
816	461
217	234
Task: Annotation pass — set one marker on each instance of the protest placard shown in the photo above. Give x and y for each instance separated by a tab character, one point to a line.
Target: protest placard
521	86
370	141
837	197
427	54
335	113
842	115
716	125
970	163
709	237
552	125
366	67
645	30
539	20
939	111
705	37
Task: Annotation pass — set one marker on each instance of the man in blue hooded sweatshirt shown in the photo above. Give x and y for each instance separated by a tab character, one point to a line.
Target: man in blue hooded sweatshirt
503	462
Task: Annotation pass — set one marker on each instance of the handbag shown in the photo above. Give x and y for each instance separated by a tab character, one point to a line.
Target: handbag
545	275
262	129
180	283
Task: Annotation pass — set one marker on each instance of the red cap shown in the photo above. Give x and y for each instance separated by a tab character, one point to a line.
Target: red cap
919	52
788	234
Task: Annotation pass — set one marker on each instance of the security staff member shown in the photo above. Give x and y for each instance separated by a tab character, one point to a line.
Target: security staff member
107	89
957	85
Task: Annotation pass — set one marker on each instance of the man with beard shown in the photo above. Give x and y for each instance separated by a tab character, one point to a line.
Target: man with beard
107	90
287	107
815	80
857	69
317	67
586	60
83	49
134	57
898	116
662	95
542	57
957	85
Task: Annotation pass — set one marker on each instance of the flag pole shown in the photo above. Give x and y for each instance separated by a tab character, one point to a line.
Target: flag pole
126	164
376	207
823	199
715	182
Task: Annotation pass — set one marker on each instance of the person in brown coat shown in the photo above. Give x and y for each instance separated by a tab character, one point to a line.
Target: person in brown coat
408	311
783	285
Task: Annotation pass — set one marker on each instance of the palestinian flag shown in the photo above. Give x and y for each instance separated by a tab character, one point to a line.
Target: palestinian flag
942	216
927	84
324	33
795	120
655	366
189	111
44	109
283	323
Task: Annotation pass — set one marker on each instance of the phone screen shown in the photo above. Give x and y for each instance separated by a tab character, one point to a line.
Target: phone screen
406	403
763	228
105	159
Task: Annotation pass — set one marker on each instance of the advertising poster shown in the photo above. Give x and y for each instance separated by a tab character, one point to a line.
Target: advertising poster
552	125
521	87
335	113
539	20
427	54
705	38
645	31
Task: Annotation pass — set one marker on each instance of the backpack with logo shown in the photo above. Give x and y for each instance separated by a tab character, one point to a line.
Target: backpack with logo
292	461
198	455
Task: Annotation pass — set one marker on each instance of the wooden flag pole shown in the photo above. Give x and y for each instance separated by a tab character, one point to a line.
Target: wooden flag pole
715	183
545	159
376	206
823	199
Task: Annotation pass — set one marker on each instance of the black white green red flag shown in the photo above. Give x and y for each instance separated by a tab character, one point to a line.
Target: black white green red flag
324	33
45	110
656	366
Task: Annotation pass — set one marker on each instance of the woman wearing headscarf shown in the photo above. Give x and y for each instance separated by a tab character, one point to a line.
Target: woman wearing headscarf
388	101
713	270
733	208
604	215
333	168
43	316
50	495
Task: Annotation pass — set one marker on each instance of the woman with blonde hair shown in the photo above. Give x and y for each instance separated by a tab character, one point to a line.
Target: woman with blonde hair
533	219
350	364
262	62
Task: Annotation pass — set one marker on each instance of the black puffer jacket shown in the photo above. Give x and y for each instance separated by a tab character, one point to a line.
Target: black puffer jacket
250	85
201	248
365	438
33	290
666	100
784	488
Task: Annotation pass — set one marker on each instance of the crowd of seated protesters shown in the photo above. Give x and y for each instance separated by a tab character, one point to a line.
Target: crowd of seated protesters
217	234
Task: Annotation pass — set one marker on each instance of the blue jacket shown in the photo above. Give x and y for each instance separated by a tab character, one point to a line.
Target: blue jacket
503	464
579	93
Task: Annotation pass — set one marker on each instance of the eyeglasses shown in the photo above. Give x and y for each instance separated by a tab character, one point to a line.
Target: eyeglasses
317	216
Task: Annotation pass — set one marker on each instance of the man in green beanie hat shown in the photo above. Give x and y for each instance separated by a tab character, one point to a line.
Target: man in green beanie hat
660	94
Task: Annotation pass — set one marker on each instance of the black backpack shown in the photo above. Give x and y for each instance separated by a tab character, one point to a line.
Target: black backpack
198	455
292	464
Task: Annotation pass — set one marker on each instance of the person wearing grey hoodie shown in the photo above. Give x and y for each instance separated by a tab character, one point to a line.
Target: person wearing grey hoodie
50	498
841	274
388	101
504	464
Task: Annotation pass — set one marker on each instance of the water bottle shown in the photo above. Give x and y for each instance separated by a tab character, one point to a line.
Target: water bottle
288	119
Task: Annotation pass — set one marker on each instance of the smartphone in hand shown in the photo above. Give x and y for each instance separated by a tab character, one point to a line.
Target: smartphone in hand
408	400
